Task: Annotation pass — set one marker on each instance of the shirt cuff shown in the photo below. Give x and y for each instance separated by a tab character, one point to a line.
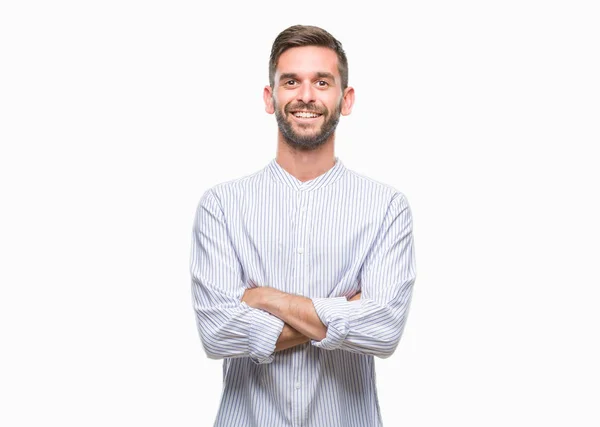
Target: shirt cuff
263	335
335	314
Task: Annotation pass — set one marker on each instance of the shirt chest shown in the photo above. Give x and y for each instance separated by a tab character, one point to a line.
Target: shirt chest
308	243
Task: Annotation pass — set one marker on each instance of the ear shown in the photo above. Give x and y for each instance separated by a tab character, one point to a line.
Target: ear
347	101
268	98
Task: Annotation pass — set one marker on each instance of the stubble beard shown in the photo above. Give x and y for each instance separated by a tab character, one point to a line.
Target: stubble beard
307	142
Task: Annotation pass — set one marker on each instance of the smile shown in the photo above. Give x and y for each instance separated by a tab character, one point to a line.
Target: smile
305	114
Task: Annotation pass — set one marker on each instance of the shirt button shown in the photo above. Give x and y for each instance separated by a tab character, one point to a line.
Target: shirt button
303	209
300	250
298	385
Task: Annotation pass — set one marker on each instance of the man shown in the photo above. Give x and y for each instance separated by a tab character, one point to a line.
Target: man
302	271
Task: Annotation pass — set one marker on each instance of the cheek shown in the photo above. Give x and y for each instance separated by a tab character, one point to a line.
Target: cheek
332	104
283	96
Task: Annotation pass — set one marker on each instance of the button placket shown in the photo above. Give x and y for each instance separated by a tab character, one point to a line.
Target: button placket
301	250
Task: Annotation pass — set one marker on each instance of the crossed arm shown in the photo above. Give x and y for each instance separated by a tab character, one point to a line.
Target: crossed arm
301	320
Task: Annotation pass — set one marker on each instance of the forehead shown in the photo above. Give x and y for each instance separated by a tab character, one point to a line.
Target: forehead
308	60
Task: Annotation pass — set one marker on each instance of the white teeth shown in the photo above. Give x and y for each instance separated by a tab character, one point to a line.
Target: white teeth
306	115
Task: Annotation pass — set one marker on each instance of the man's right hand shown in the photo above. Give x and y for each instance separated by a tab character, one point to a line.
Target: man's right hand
355	297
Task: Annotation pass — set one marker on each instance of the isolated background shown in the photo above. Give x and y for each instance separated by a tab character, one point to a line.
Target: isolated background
116	116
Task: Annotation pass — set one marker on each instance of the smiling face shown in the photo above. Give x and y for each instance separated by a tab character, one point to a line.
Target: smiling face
307	96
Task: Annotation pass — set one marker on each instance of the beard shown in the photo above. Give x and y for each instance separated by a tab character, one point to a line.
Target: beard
307	141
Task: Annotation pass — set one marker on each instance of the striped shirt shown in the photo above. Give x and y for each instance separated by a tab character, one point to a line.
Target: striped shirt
325	239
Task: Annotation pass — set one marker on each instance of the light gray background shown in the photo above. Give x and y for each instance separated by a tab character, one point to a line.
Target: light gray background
116	116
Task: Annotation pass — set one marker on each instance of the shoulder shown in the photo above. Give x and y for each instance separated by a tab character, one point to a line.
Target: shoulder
233	189
376	189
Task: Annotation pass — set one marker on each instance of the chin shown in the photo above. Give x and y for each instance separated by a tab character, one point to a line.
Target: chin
304	144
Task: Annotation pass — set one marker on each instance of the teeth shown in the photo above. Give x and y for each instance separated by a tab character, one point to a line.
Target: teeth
306	115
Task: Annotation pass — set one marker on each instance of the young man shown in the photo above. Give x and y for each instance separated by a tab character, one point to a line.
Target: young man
303	271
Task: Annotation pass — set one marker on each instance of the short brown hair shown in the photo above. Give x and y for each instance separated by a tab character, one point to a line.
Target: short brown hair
307	35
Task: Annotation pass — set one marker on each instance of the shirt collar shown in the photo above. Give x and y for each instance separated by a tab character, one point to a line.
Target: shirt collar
329	177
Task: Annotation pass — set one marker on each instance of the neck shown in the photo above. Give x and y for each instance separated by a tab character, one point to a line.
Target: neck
305	165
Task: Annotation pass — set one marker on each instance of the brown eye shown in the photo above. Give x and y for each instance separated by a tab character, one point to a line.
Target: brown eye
322	83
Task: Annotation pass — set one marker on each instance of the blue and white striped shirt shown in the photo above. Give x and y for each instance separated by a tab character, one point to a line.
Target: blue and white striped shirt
325	239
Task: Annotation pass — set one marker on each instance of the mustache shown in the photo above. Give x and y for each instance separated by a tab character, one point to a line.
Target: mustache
304	107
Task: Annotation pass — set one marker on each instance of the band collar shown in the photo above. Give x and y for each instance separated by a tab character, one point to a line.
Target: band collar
329	177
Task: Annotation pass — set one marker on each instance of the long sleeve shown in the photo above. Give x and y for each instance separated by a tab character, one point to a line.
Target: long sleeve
227	326
373	325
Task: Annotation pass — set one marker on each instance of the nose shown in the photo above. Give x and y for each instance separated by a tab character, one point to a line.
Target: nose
306	93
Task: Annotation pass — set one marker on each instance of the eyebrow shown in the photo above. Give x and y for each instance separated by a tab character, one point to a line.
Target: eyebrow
319	74
325	75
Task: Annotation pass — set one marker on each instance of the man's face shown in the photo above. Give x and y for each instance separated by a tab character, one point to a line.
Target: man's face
307	97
